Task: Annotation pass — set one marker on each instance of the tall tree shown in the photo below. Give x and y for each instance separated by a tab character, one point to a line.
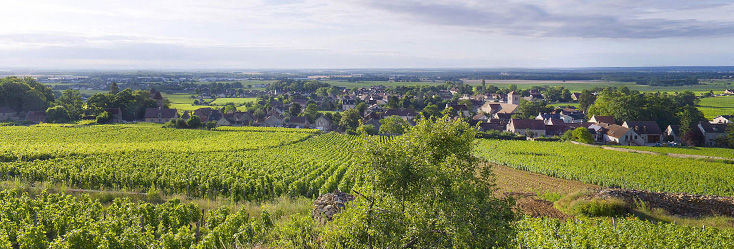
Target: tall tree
114	89
71	100
689	118
586	99
393	125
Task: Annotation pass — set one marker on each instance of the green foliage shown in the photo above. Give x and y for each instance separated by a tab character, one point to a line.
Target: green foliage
689	118
582	135
432	193
366	130
194	122
246	163
530	109
131	103
350	119
71	100
393	125
617	233
57	114
103	118
25	94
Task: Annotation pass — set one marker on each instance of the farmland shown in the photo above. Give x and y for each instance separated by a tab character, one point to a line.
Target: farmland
712	107
612	168
258	164
242	163
699	151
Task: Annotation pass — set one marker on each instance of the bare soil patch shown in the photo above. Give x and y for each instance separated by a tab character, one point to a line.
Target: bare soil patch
684	205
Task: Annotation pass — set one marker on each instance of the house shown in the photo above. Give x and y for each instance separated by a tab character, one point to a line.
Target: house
208	114
298	122
648	130
374	122
186	115
480	117
673	133
712	132
522	126
115	114
513	98
621	135
273	120
322	123
348	104
575	96
236	119
156	95
405	114
7	113
160	115
460	109
722	119
602	119
36	116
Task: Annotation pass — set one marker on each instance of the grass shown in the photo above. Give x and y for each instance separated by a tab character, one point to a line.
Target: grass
715	106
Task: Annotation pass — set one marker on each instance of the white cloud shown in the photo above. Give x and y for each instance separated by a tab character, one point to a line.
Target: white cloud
364	33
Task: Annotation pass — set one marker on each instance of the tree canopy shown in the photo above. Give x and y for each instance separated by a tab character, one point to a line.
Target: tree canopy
425	189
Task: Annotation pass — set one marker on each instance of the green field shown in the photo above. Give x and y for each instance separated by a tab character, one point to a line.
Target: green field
624	232
242	163
612	168
700	151
715	106
236	101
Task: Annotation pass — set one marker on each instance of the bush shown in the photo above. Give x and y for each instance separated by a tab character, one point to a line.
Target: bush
103	118
57	114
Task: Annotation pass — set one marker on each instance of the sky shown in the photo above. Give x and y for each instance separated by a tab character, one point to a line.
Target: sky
303	34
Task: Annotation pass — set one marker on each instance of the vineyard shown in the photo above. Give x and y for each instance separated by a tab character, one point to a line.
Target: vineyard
62	221
699	151
612	168
242	163
617	233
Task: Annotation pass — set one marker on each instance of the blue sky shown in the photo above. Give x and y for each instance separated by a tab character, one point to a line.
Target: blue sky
244	34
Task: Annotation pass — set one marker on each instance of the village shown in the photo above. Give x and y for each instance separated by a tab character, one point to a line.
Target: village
491	112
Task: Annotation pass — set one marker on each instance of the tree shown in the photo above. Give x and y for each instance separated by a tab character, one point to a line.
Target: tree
72	101
295	109
103	118
393	125
530	109
692	138
229	108
431	111
730	136
689	118
312	112
57	114
425	189
361	107
586	99
350	119
582	135
364	129
393	102
194	122
114	89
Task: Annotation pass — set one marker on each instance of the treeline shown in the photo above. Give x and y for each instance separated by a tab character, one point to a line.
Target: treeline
666	109
301	86
25	94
